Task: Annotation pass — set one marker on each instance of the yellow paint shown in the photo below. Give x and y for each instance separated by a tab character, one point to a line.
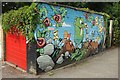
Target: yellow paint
55	33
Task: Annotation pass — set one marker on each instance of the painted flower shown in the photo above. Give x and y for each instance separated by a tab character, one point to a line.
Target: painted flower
41	42
86	15
57	18
93	22
46	22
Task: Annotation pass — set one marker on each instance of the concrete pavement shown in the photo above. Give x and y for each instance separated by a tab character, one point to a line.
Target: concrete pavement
102	65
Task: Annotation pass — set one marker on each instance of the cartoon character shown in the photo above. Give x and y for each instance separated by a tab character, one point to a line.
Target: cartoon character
68	46
66	36
79	32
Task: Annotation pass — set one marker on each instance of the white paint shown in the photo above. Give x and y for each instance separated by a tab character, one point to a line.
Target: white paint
66	25
110	27
110	31
80	21
53	24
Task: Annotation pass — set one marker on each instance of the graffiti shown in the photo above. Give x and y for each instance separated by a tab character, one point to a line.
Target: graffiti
61	36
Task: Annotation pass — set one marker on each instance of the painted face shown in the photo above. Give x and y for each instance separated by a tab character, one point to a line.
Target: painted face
65	34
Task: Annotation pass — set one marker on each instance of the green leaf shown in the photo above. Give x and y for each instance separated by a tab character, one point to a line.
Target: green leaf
54	10
38	34
38	50
41	25
57	25
43	35
41	50
60	24
50	24
74	54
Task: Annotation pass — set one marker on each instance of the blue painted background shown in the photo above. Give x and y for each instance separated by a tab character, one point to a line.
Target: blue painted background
68	23
52	44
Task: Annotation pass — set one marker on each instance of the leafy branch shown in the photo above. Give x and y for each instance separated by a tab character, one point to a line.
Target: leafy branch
24	19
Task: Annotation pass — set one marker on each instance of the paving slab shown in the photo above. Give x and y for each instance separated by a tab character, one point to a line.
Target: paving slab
102	65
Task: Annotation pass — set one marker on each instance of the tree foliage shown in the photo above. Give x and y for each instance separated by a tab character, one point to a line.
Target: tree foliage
21	20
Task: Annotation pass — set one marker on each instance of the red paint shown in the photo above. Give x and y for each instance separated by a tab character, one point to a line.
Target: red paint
46	22
16	50
41	42
57	18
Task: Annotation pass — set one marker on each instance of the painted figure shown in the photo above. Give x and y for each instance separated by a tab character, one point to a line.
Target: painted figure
66	36
79	32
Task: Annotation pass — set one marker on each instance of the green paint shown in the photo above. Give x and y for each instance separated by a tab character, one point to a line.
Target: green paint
79	32
62	12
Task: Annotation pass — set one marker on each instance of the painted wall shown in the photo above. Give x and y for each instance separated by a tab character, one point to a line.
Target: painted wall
67	33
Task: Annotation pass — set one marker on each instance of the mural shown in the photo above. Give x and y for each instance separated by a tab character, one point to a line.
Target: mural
66	33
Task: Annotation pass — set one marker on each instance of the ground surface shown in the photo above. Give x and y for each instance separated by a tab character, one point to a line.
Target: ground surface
102	65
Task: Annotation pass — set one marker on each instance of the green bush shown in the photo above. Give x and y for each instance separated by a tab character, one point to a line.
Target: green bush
116	33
